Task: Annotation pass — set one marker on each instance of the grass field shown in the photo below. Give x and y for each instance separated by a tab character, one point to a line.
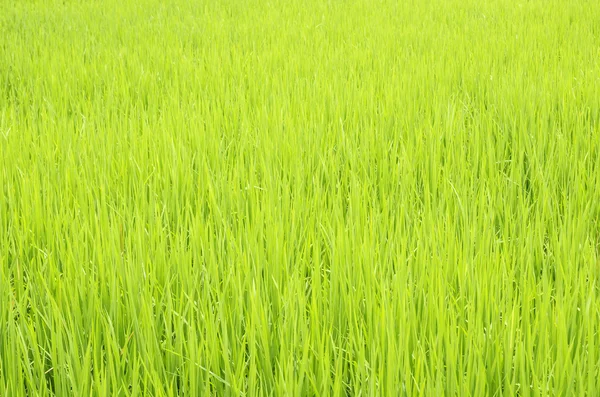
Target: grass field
298	198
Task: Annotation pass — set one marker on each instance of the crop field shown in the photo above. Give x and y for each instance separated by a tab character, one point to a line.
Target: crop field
299	198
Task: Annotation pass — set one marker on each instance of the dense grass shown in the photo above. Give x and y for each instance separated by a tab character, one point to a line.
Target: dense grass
299	197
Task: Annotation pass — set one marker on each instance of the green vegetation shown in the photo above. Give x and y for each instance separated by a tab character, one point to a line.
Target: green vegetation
295	198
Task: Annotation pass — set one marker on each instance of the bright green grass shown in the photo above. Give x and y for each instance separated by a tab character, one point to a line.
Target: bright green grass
286	198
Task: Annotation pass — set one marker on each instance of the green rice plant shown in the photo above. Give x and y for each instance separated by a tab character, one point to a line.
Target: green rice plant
299	198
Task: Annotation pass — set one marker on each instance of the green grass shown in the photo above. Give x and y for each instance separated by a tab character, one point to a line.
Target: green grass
295	198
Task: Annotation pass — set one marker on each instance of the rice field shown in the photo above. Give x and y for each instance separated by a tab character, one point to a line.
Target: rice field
299	198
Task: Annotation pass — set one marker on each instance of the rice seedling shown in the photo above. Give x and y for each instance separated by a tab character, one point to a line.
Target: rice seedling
299	198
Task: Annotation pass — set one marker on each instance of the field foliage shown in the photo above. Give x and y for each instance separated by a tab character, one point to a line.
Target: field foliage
296	198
